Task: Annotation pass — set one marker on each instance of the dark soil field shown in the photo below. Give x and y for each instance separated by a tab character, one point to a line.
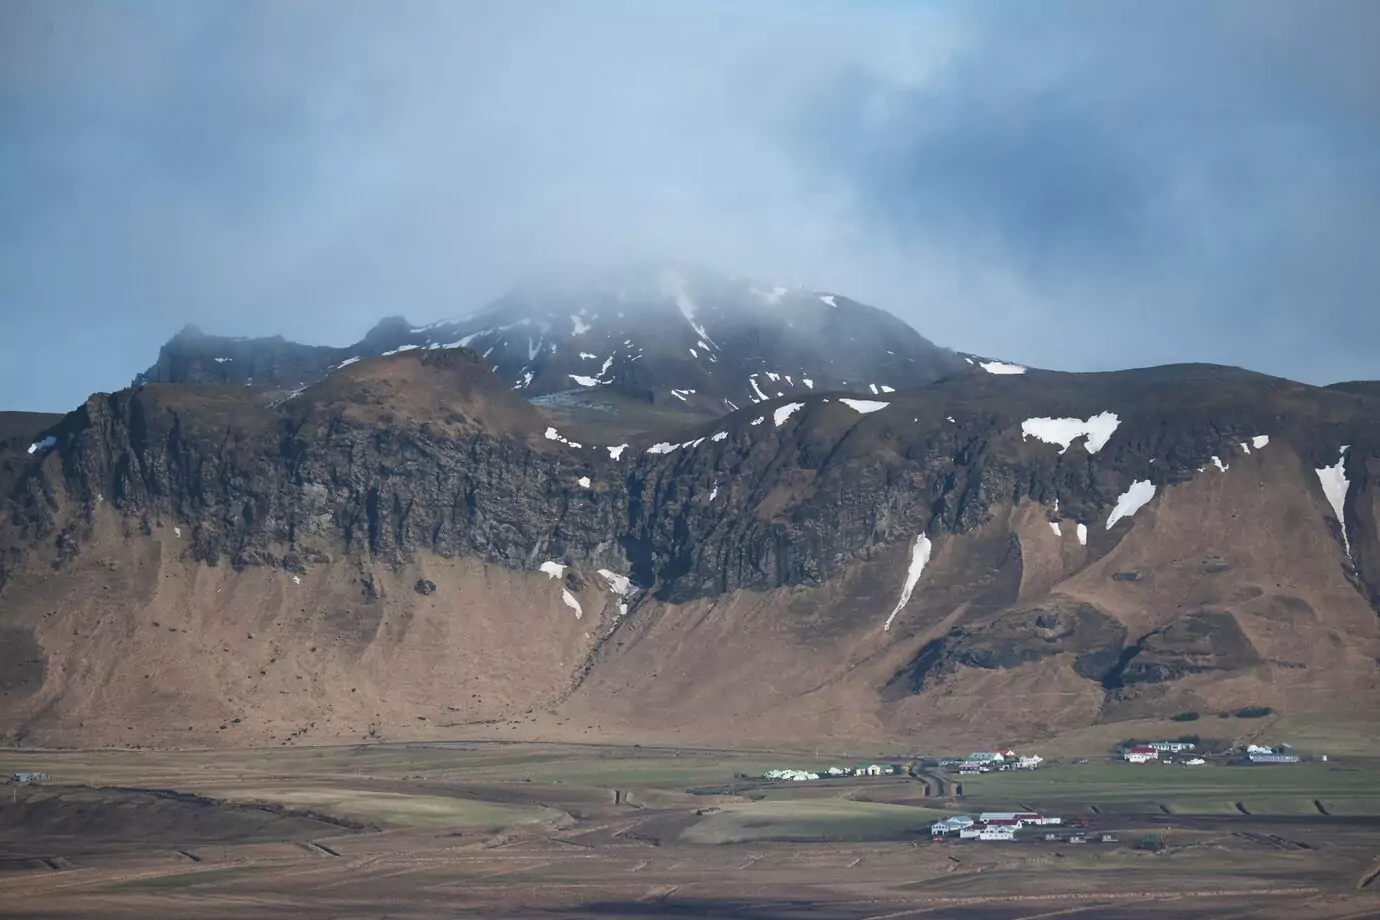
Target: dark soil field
508	830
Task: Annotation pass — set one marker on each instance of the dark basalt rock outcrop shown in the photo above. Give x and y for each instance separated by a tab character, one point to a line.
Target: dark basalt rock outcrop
428	451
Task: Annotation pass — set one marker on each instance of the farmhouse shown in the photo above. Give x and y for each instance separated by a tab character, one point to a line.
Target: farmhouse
1171	747
951	825
985	757
1140	754
996	833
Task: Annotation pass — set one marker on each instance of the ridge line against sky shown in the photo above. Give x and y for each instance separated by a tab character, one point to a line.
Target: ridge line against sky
1079	186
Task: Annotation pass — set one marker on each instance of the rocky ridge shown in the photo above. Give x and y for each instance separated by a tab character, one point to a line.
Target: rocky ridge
682	337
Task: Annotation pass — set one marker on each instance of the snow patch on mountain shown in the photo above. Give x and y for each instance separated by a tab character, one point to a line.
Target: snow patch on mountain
784	412
673	286
1001	367
1335	486
919	558
863	405
1132	500
1064	431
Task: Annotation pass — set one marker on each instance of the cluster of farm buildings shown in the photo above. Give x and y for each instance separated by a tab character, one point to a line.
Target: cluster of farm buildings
1184	752
862	769
987	761
999	825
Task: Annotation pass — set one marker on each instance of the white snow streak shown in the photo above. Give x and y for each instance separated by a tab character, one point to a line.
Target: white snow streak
829	299
808	382
1260	441
1054	526
752	379
1001	367
552	569
784	412
616	452
1132	500
1083	534
583	481
581	327
619	584
588	357
887	389
1064	431
223	360
919	558
759	420
584	381
177	531
662	448
346	363
1335	487
714	494
720	436
42	444
1217	462
863	405
873	387
673	286
572	603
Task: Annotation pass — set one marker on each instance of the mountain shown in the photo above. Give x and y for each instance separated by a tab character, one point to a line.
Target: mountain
682	337
407	548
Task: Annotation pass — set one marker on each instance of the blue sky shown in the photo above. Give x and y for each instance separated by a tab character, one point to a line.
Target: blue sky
1071	185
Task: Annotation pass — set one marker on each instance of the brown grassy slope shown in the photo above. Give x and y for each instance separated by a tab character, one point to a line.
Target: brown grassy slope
155	650
813	664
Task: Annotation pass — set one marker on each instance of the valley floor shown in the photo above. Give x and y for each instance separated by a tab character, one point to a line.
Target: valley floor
545	830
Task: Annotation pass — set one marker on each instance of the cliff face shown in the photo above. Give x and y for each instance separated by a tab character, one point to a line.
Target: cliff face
1024	487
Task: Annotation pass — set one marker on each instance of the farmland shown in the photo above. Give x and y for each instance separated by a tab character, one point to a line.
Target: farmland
1300	789
520	830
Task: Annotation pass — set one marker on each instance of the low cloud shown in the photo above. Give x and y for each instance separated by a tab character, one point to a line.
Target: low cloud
1076	186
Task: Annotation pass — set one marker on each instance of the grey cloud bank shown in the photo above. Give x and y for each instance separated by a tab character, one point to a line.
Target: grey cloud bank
1077	186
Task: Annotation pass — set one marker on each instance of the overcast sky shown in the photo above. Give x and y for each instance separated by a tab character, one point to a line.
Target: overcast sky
1076	186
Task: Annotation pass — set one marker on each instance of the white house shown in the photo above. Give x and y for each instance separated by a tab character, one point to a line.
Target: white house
986	757
1172	747
1140	754
1029	761
997	833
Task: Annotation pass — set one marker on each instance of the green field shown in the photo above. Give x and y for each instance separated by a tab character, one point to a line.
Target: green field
1211	790
391	808
810	819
